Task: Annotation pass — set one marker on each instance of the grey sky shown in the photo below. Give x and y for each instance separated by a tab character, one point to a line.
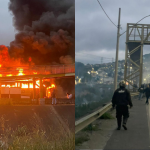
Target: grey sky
7	31
96	36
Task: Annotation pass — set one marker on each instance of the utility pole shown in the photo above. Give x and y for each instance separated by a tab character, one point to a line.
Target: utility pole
117	49
112	60
101	60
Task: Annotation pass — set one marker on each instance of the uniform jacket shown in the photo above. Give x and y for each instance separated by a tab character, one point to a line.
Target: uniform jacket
141	89
147	92
121	97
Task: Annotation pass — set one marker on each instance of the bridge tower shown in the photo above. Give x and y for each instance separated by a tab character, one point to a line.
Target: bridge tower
137	35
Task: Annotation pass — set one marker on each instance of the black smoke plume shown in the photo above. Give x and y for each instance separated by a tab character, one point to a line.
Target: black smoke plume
46	30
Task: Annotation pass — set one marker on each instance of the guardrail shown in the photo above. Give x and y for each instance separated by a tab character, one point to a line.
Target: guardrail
85	121
135	94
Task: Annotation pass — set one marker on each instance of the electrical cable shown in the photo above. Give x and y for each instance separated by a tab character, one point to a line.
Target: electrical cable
116	25
106	14
136	24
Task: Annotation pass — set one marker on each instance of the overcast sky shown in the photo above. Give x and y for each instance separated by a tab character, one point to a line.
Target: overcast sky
7	31
96	36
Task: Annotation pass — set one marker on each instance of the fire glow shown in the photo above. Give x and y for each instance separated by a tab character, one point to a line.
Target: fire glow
28	85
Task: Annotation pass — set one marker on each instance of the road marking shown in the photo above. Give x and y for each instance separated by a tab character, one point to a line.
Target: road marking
60	120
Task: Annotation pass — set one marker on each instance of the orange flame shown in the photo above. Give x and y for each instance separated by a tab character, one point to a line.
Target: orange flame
24	85
30	59
20	72
8	75
53	85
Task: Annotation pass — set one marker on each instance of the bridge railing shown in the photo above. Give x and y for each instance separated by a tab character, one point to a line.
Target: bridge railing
85	121
37	69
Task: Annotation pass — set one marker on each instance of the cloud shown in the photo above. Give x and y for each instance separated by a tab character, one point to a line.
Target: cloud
45	28
94	31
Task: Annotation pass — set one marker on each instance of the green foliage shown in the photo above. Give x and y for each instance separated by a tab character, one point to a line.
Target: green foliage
89	99
82	138
106	116
91	127
85	109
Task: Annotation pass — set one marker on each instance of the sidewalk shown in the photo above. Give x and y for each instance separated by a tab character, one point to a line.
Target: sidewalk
137	135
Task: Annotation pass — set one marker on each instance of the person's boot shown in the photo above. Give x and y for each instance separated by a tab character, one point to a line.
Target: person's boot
119	123
124	123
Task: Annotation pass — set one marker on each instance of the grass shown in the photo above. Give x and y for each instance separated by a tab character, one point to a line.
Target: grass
83	136
81	139
106	116
91	127
36	138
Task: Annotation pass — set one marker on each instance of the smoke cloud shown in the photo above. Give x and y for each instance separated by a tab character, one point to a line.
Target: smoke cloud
46	30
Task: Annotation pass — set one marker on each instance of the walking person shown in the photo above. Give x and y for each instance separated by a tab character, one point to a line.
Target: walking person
147	93
53	97
121	99
141	90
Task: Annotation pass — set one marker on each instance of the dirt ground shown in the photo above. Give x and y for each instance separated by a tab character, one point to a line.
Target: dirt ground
103	132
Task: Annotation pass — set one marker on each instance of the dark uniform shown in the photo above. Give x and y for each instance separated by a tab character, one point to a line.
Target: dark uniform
141	90
147	93
53	97
121	99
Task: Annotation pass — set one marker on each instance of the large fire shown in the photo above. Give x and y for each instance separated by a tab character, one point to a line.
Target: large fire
9	67
19	74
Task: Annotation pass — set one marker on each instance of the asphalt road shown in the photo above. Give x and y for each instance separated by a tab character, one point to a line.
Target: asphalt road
46	117
137	135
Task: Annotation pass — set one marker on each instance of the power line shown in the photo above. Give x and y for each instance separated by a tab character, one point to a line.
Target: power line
106	13
114	24
136	23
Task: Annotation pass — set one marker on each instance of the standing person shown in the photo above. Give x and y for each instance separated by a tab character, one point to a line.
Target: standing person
69	96
121	99
141	90
144	86
147	93
53	97
134	87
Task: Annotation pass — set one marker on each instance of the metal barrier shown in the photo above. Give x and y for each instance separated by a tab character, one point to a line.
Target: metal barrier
135	94
85	121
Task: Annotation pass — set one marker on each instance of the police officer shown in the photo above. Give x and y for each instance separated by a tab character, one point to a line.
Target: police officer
147	93
141	90
121	99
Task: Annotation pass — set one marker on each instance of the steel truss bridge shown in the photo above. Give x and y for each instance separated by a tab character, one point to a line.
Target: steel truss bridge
137	35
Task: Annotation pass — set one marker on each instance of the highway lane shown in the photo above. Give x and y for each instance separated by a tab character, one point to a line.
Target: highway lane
46	117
